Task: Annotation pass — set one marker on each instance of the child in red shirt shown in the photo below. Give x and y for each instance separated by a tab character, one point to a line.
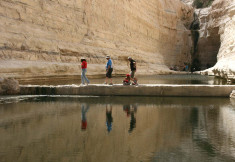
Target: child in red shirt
127	80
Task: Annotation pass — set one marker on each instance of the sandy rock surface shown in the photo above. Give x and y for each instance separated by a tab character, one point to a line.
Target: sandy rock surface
9	86
47	38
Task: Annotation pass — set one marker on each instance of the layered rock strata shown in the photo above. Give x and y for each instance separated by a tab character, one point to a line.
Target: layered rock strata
47	38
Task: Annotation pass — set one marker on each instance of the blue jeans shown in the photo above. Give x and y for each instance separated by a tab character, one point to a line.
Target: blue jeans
83	77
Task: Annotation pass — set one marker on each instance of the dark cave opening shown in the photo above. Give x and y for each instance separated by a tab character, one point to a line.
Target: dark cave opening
205	48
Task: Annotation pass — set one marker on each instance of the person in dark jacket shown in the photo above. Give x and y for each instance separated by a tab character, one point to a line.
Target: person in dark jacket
133	70
133	67
109	70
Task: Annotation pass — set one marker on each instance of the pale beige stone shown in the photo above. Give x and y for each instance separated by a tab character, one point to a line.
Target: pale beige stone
232	95
47	38
219	21
162	90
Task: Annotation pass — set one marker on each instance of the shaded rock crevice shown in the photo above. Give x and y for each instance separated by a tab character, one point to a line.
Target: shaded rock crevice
202	3
194	27
208	41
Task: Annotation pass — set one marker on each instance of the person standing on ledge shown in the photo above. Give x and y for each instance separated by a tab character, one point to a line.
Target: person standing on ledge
133	67
109	70
84	70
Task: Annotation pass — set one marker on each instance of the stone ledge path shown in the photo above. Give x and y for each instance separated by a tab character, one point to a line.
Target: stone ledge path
140	90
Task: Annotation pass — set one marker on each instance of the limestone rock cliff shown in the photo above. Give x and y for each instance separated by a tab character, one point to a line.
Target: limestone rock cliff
47	38
225	66
217	42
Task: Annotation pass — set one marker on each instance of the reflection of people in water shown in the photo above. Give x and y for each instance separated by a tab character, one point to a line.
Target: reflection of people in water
127	109
133	118
109	118
85	108
131	111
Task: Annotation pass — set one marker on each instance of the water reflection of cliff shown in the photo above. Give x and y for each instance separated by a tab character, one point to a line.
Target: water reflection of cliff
184	129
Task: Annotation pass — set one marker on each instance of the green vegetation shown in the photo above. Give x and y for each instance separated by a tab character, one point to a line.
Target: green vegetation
202	3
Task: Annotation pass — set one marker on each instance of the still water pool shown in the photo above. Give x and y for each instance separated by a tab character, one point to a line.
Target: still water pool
116	129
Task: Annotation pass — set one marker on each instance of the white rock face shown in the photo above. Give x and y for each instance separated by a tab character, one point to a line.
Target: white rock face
221	19
47	38
232	95
189	2
225	66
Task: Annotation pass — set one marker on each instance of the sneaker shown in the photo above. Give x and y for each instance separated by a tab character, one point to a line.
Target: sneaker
134	83
82	85
110	83
105	83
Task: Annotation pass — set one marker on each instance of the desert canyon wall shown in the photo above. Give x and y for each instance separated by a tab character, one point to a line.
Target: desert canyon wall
224	12
216	43
48	38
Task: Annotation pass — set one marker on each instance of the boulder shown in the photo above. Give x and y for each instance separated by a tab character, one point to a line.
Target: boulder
232	95
9	86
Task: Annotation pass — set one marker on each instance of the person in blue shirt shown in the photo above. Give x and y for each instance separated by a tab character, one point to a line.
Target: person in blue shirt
109	70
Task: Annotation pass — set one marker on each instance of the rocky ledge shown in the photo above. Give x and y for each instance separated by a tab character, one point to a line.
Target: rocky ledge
140	90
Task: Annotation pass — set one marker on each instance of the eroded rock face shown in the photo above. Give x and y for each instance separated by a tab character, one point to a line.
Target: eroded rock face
219	24
232	95
225	66
189	2
9	86
49	37
208	41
